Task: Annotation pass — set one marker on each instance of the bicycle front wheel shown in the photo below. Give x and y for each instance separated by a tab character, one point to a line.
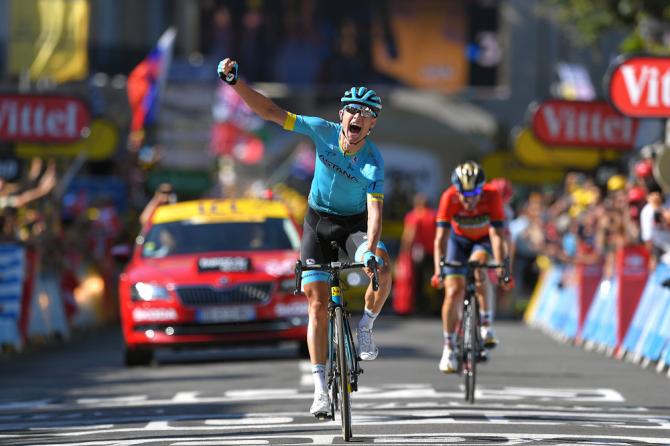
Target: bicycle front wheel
471	350
343	380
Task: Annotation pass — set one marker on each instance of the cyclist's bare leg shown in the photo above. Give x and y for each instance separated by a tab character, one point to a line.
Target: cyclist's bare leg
480	280
374	300
454	290
318	296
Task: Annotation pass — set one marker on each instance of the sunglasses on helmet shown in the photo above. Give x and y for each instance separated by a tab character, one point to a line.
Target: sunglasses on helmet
365	111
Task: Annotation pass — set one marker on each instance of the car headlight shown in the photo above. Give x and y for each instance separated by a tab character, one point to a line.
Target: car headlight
147	292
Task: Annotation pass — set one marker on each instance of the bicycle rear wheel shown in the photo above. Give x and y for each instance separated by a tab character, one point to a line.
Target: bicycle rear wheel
343	380
471	350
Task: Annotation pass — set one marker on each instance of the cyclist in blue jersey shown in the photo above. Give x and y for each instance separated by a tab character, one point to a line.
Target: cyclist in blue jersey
345	206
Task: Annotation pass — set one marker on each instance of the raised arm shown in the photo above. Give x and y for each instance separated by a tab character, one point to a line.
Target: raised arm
259	103
374	223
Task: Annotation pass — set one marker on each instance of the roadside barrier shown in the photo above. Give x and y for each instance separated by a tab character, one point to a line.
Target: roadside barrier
626	314
12	274
37	305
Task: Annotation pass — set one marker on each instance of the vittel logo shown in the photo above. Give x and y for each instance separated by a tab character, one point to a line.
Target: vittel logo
586	124
640	86
42	118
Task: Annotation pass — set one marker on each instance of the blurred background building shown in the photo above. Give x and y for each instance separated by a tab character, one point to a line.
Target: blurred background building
458	79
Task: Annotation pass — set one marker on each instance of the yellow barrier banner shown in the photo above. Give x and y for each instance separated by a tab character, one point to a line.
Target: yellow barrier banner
506	165
49	39
99	145
532	152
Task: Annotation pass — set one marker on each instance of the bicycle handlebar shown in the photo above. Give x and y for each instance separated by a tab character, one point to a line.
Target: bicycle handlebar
479	265
334	267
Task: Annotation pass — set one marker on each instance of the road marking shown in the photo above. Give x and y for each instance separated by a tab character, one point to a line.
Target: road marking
249	421
186	397
469	438
121	400
14	405
385	392
273	421
219	442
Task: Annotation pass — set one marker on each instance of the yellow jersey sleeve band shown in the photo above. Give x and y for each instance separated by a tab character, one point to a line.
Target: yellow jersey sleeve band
376	197
289	123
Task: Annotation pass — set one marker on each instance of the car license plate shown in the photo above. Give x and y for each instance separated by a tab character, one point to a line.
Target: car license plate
226	314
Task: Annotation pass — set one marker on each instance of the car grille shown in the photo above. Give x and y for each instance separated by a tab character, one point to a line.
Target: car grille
244	293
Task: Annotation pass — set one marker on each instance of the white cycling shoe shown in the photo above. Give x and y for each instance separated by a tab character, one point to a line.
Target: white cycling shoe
366	345
449	361
488	337
321	405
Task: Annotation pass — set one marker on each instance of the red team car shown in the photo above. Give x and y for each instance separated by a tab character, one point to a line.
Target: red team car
212	272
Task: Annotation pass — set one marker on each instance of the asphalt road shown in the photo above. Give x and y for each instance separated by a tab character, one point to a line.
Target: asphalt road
533	391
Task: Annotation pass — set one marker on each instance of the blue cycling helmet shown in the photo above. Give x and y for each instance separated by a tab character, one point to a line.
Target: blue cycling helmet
468	178
363	96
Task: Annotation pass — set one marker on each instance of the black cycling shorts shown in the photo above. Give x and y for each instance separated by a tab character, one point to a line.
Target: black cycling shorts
320	228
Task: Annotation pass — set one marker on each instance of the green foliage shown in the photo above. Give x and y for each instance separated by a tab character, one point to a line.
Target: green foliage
588	20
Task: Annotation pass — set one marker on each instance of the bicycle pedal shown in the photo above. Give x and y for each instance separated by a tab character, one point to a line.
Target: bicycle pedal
323	416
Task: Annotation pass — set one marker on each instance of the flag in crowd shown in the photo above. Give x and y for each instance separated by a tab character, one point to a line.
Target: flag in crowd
147	80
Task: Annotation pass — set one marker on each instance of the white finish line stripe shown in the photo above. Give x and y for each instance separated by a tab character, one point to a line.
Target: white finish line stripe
388	438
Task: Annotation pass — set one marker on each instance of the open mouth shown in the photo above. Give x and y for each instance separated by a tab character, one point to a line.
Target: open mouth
354	130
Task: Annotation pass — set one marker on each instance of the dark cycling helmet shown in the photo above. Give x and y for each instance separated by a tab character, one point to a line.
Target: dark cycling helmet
468	178
363	96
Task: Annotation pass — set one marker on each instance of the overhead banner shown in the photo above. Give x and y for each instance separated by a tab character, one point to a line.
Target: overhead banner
48	119
506	165
639	86
100	145
533	153
49	39
593	124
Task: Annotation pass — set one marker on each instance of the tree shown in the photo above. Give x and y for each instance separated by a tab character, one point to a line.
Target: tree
647	22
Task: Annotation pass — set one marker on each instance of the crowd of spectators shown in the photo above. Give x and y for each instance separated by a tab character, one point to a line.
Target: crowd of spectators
68	242
587	222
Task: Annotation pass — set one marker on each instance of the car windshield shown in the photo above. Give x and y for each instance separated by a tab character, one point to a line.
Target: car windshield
185	237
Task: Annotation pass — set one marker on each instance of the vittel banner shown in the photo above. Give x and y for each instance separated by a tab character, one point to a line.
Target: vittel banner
640	86
47	119
593	124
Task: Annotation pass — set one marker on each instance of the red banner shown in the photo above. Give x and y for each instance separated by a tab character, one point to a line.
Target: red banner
585	124
588	280
632	269
640	86
50	119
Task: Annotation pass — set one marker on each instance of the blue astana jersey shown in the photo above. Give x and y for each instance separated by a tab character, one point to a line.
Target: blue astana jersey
341	183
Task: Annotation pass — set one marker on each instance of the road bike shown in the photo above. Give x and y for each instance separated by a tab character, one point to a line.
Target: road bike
470	345
343	361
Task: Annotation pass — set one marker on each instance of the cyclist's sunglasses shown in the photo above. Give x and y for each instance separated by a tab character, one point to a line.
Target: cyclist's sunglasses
472	193
365	111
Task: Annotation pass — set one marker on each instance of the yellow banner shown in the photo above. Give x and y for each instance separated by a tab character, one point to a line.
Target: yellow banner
505	164
49	39
99	145
532	152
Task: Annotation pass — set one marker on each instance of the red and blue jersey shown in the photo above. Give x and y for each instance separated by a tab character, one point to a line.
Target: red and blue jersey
472	224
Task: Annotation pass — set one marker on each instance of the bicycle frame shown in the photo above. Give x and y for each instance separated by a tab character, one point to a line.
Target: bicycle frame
469	335
343	361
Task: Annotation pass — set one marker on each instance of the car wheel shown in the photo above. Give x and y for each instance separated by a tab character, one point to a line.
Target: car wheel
137	356
303	350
